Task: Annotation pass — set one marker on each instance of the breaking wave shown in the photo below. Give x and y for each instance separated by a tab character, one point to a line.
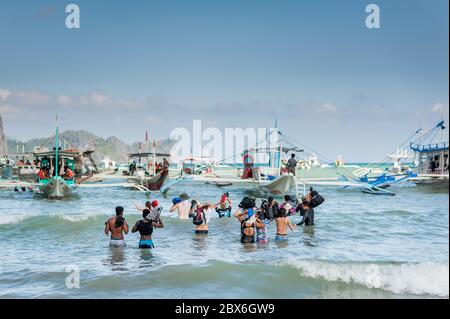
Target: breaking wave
426	278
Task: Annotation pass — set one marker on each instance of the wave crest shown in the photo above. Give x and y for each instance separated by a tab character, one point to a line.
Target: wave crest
427	278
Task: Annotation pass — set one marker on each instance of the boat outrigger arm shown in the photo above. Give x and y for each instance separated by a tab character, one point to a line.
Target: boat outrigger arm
371	187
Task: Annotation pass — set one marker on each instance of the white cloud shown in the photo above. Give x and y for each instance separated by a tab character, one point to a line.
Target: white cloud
4	94
64	100
152	120
328	108
439	107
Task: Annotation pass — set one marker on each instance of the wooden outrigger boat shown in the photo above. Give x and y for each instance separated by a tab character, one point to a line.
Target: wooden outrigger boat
55	186
149	178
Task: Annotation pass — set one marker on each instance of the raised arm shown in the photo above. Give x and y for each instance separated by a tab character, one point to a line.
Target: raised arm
125	227
158	224
259	223
173	208
238	213
138	208
135	227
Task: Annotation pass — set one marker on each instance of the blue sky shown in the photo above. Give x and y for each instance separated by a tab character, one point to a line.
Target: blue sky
136	65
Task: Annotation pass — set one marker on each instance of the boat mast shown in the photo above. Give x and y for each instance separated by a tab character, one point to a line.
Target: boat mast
154	157
56	148
441	164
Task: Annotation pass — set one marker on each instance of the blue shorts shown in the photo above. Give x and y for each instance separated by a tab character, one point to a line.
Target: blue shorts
281	237
146	244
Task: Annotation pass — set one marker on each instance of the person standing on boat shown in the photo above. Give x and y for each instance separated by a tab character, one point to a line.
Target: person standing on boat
201	214
182	206
145	228
292	164
117	226
165	164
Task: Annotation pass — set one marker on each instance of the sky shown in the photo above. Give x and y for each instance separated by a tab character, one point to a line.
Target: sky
331	83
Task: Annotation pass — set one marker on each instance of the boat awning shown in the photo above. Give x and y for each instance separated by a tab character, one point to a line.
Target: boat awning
148	154
437	147
65	153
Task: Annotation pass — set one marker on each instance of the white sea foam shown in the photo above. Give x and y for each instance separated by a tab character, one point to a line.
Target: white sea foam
11	219
14	218
427	278
77	217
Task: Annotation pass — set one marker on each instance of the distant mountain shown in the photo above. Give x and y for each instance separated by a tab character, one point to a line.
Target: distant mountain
3	143
112	147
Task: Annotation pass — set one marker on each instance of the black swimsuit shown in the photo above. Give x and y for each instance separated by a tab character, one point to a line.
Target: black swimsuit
145	229
244	237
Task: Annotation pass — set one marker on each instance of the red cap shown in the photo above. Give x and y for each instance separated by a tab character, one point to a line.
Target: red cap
155	203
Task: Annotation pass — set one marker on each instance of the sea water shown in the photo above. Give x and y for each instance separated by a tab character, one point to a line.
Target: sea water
362	246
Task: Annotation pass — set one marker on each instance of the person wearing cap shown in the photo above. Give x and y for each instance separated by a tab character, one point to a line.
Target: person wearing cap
153	207
181	205
223	207
148	205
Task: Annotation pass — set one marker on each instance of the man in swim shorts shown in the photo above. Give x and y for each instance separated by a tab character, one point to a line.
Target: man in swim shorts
117	226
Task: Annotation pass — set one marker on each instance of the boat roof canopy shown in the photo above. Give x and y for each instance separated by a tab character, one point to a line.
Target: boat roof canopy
437	147
66	153
148	154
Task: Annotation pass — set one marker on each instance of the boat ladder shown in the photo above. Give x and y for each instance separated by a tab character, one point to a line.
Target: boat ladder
300	186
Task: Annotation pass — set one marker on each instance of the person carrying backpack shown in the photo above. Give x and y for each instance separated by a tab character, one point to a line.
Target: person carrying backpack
201	214
306	208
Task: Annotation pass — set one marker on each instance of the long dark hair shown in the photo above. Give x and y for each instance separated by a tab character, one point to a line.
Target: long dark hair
119	218
119	221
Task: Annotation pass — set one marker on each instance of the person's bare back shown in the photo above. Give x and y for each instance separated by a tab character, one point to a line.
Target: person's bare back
282	224
116	232
182	208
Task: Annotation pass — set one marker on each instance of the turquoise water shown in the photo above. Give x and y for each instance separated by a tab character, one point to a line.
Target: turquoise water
362	246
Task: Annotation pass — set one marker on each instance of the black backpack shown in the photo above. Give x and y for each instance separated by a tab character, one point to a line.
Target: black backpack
316	200
247	203
199	217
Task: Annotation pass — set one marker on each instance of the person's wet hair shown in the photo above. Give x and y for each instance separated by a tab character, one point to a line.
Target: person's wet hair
145	212
119	210
119	221
270	199
292	155
148	204
282	212
287	198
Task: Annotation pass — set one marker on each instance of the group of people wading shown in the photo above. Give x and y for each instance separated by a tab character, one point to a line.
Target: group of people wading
254	221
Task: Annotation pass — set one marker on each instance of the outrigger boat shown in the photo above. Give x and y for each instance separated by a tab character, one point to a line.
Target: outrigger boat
148	178
57	187
432	158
